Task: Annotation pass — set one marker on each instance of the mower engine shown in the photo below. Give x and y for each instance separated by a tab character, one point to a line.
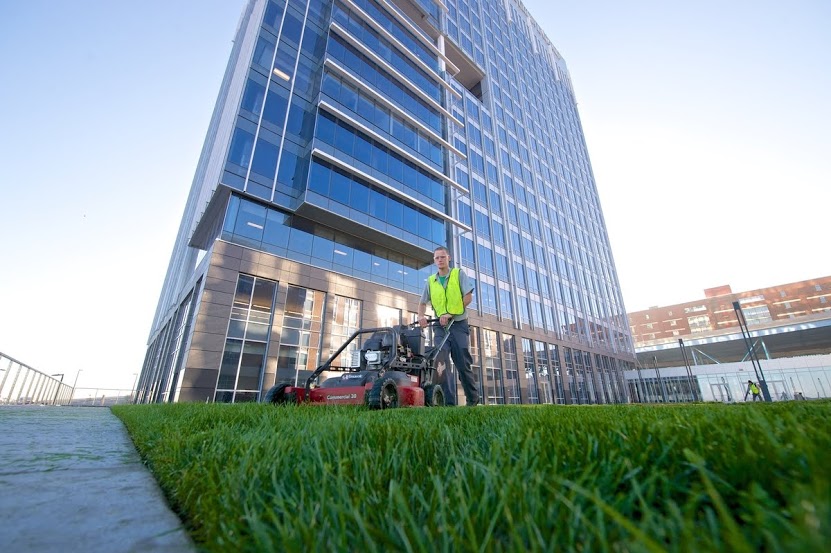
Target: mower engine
376	351
373	357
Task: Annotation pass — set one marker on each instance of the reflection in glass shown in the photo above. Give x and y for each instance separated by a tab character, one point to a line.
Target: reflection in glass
243	359
298	353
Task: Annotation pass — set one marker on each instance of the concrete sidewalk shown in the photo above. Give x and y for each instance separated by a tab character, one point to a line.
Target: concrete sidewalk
71	480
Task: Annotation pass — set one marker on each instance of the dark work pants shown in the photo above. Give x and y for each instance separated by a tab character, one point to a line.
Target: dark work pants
459	345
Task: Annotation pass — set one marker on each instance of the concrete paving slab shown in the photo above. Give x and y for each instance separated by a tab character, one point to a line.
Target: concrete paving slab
72	480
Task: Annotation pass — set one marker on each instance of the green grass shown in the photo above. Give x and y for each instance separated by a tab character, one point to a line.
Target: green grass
511	478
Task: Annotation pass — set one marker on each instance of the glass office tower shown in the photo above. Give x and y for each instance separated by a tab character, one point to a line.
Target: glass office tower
352	137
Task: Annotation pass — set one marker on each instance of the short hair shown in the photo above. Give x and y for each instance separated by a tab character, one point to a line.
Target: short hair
442	248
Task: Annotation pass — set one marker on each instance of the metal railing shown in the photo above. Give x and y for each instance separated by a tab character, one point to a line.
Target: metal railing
21	384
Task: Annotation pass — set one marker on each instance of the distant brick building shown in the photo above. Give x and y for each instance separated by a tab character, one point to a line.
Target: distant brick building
715	315
696	350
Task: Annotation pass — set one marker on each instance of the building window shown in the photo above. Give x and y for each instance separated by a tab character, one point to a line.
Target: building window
585	390
505	304
524	313
475	366
757	315
530	375
387	316
556	378
280	234
493	367
699	323
299	352
487	297
512	393
543	372
183	329
571	375
339	186
246	342
345	319
604	378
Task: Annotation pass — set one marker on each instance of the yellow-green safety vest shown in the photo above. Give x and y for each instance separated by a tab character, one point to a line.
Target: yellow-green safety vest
447	299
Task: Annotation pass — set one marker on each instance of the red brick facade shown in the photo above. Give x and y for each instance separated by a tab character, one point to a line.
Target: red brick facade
714	314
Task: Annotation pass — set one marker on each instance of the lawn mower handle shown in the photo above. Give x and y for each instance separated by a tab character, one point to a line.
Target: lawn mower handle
429	322
325	366
433	354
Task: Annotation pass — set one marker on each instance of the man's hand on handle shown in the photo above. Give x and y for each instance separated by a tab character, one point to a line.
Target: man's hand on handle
444	320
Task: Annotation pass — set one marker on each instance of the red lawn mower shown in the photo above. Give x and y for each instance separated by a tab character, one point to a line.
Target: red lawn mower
391	369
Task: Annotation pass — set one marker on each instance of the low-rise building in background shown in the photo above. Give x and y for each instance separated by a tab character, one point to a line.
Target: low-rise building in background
699	350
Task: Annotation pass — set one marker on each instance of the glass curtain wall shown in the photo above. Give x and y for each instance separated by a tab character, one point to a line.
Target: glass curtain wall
616	377
530	370
183	323
387	316
580	377
495	393
299	350
345	319
476	367
556	374
572	382
243	359
538	250
544	373
604	379
513	394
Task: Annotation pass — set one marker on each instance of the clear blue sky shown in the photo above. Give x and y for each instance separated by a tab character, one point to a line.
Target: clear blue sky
707	125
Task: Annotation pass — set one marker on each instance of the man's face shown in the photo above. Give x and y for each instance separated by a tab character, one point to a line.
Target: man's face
442	259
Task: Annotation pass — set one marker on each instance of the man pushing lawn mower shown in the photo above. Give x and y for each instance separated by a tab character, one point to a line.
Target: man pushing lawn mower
449	292
391	367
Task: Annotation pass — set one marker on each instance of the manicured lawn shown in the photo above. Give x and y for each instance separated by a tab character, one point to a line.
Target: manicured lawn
510	478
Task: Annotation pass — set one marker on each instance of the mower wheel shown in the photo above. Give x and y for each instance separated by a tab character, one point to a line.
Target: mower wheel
276	395
433	396
383	395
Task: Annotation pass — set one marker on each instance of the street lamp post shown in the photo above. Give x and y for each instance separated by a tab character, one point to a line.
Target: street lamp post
754	359
660	382
55	399
690	381
642	390
72	395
